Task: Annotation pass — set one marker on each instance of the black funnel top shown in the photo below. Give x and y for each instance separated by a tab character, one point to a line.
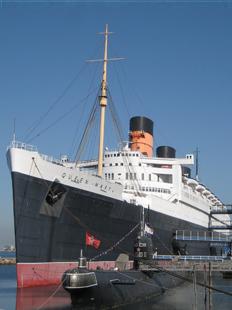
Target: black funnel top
141	123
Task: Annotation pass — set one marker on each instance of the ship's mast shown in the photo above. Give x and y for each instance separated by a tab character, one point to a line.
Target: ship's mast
103	104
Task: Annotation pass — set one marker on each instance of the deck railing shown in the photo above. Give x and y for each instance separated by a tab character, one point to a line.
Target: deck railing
23	146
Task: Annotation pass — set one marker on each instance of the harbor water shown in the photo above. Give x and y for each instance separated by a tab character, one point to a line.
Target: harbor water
55	297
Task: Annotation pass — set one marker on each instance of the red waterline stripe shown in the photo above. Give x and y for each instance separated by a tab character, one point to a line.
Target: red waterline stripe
41	274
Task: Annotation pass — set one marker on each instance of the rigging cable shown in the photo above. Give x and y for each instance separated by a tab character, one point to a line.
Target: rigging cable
122	92
62	116
31	129
74	140
86	131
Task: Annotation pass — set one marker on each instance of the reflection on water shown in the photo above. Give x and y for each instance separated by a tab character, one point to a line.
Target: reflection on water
48	297
53	297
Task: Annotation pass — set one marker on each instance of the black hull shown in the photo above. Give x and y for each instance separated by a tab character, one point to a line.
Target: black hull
125	288
45	233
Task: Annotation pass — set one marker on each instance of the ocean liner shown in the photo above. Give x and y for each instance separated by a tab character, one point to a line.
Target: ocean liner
58	203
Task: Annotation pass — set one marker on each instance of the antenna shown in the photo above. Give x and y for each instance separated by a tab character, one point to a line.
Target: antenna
197	163
14	136
142	223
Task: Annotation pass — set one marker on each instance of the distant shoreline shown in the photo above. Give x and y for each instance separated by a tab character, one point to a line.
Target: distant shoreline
7	261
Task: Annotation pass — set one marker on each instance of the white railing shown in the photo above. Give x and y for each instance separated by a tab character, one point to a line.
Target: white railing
23	146
51	159
188	235
32	148
190	257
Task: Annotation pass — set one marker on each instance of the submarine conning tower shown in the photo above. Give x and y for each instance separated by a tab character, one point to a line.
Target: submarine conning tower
141	135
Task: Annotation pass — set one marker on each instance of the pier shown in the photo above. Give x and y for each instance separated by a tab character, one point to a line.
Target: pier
7	261
188	263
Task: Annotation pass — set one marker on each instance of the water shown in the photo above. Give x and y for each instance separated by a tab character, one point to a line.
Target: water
7	254
53	297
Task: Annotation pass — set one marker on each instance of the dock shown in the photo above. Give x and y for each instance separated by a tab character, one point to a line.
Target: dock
7	261
190	263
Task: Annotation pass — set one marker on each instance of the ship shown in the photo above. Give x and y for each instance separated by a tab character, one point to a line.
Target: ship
58	203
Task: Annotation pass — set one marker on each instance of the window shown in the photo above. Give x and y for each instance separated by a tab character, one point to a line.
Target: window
165	178
142	176
105	175
130	164
140	165
121	164
131	176
127	176
110	164
118	155
109	176
149	177
112	175
135	178
116	164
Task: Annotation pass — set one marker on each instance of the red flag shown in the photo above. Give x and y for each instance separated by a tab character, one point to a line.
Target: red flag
91	240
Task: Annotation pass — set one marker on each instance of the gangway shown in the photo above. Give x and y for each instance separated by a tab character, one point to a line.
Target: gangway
207	236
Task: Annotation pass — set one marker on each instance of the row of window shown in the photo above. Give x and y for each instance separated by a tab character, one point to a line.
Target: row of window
133	176
122	154
109	176
129	176
119	164
149	189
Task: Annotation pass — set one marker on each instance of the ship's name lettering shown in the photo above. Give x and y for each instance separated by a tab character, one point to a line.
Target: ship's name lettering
74	179
79	180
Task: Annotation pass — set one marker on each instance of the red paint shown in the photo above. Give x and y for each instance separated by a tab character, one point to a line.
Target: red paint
40	274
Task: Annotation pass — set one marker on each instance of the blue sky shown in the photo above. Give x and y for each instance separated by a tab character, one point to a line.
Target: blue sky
177	71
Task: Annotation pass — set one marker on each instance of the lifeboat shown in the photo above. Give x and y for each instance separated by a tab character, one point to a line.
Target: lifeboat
192	182
200	188
206	192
